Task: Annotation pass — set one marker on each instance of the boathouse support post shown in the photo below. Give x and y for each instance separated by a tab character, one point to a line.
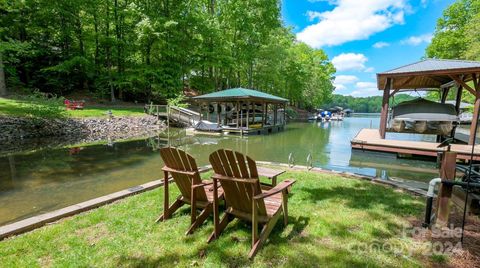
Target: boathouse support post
476	107
226	113
237	109
248	113
384	112
458	100
444	94
447	172
208	111
218	113
275	110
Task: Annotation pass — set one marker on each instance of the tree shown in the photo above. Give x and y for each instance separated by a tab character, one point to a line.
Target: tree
3	85
456	33
153	50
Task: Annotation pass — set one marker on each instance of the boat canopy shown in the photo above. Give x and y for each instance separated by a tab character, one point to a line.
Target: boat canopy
424	110
205	125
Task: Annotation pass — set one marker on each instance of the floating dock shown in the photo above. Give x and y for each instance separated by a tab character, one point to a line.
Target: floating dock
370	140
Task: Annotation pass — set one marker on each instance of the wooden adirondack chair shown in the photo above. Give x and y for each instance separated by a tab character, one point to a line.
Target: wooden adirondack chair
194	191
244	197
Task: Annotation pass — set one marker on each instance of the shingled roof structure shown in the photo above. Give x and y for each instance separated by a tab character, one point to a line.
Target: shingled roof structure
428	73
241	94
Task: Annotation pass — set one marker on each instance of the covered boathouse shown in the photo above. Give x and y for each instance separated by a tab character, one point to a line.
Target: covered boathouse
430	74
242	111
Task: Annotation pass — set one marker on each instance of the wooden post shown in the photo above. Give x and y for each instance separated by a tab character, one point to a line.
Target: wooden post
447	172
284	114
226	114
263	114
241	114
238	112
473	126
444	94
384	113
275	115
458	99
218	113
166	213
208	111
248	113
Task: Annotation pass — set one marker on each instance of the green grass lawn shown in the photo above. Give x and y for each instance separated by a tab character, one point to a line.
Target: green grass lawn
331	219
14	107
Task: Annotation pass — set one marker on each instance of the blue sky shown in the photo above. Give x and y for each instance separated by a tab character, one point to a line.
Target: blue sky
364	37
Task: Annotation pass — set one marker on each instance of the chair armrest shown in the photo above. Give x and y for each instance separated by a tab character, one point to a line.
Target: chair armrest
221	177
275	190
190	173
203	184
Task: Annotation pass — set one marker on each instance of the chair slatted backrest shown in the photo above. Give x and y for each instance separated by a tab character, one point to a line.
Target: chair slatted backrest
180	161
238	193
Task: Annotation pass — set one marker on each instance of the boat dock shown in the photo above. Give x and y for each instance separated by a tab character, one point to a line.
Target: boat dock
370	140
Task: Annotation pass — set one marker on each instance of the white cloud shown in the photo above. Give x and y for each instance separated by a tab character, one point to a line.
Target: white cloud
370	70
366	92
350	61
363	89
381	44
352	20
342	80
339	87
363	85
312	15
345	79
417	40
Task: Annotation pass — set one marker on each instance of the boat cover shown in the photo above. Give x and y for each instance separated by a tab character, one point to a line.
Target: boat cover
424	110
207	126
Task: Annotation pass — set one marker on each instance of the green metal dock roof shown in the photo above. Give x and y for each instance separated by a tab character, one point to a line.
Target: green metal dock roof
235	94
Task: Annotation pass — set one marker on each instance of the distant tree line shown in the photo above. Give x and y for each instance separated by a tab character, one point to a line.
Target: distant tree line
154	49
371	104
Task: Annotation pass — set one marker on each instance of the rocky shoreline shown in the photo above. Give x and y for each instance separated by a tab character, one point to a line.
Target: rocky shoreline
19	133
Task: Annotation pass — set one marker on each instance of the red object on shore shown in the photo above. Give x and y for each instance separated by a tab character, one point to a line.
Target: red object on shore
74	105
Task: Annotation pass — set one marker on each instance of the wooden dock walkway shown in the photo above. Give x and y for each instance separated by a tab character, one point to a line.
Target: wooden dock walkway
369	139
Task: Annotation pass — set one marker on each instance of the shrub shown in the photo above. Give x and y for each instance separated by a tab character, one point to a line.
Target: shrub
177	101
43	105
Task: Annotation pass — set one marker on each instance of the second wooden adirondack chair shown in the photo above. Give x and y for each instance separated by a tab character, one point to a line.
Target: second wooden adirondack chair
244	197
193	191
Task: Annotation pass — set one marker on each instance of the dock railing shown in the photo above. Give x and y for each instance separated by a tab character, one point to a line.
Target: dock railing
183	115
173	114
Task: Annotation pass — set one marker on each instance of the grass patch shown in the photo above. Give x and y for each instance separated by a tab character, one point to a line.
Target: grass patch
96	111
331	219
24	108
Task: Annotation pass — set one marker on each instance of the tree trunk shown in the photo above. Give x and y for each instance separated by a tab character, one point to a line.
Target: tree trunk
97	46
109	58
3	86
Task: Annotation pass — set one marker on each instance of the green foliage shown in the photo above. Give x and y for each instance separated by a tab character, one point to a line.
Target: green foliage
364	104
178	101
41	105
291	113
153	50
456	34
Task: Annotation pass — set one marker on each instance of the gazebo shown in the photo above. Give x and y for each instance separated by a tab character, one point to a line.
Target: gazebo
431	74
244	111
428	74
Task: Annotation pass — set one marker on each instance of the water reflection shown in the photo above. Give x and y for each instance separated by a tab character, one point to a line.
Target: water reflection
41	181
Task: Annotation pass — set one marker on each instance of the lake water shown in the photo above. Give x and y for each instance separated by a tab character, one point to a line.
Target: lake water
36	182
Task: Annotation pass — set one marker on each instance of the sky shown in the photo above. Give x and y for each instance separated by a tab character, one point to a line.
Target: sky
364	37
